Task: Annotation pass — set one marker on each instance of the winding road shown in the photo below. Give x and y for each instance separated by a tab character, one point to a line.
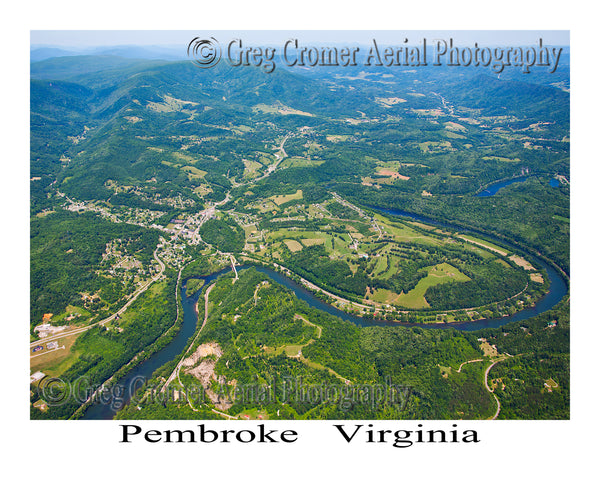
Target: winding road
122	310
489	389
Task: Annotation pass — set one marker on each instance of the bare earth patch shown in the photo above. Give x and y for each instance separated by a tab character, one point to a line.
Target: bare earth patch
521	262
202	351
205	372
536	277
390	173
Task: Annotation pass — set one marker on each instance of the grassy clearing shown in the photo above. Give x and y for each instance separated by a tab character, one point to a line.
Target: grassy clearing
185	157
280	109
382	264
337	138
384	296
501	159
293	245
403	233
284	233
393	267
423	225
502	262
294	350
454	135
251	168
281	199
455	127
437	274
58	361
250	229
312	241
485	244
170	104
202	190
77	313
193	172
291	162
389	101
488	350
429	147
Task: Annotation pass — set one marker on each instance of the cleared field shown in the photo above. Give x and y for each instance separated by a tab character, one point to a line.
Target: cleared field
422	225
428	147
384	296
384	180
202	190
441	273
293	245
265	206
290	162
403	233
521	262
382	264
457	127
58	361
337	138
389	101
485	244
169	104
312	241
251	168
193	172
76	314
280	109
393	267
281	199
284	233
536	277
501	159
391	173
454	135
488	350
185	157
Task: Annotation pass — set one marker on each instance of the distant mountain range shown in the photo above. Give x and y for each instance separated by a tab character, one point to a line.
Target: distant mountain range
39	52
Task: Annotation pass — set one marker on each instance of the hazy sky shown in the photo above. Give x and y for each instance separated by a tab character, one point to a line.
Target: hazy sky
90	38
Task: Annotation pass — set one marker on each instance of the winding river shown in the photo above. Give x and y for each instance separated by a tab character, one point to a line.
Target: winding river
107	408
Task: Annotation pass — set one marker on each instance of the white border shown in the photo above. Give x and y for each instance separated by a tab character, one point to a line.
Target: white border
509	449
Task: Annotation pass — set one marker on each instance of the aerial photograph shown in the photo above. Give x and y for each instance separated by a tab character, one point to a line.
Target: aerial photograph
299	225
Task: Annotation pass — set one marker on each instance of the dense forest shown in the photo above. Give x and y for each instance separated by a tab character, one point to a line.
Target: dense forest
339	354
